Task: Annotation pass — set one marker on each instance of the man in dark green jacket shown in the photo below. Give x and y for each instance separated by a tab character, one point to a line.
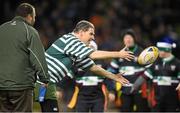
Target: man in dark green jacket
21	60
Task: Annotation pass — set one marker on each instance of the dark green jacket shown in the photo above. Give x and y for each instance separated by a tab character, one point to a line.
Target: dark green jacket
21	56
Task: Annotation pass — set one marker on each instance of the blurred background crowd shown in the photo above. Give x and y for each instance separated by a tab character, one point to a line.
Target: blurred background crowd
151	19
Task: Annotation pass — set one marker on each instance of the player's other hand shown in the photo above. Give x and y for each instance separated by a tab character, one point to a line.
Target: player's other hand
121	79
111	97
178	87
128	55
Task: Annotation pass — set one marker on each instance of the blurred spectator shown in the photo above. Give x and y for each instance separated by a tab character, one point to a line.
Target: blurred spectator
149	18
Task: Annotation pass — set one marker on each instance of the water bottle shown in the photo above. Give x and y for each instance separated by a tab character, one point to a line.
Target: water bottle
42	93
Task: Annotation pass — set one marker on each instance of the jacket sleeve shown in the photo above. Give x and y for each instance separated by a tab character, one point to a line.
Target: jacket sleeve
37	56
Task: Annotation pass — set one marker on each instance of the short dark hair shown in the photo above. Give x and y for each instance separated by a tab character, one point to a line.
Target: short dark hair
129	32
83	25
24	10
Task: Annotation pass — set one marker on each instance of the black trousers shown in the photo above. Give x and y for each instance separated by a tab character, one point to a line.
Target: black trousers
90	98
128	101
167	99
16	101
49	106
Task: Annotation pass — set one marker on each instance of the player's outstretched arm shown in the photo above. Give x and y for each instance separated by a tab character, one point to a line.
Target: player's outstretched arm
112	54
100	71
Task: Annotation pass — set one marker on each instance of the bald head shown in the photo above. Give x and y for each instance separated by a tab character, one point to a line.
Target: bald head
26	11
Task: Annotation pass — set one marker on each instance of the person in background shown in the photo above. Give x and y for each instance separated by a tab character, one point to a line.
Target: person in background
21	60
90	93
166	77
130	100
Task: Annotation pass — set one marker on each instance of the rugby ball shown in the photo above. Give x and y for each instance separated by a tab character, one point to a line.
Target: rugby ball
148	55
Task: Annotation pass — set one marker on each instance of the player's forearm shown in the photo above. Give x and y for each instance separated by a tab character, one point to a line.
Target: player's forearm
104	54
100	71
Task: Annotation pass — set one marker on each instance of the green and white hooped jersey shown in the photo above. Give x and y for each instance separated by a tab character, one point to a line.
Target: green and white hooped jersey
88	78
62	55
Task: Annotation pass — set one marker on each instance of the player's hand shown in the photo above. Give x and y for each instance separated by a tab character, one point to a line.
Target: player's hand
121	79
178	87
111	97
128	55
